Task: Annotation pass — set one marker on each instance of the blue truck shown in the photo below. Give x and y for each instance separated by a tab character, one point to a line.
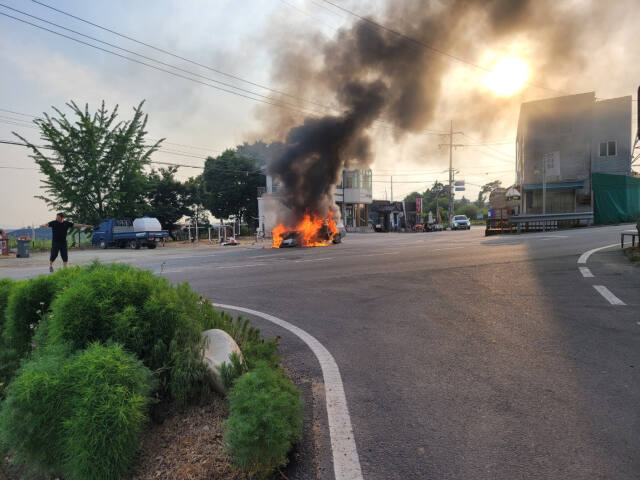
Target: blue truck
122	232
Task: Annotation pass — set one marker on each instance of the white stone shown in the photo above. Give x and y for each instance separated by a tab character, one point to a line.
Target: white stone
218	347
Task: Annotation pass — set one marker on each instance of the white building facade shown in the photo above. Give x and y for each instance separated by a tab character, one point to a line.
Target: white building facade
353	200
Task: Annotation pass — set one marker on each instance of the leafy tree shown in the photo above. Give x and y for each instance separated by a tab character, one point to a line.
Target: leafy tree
231	182
168	198
469	209
195	200
93	164
484	190
412	196
261	153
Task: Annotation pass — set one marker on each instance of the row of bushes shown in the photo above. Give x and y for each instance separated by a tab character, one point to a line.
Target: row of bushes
84	352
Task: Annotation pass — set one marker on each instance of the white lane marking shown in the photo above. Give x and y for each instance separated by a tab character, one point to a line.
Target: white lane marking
585	256
346	463
586	273
606	293
314	259
376	254
244	265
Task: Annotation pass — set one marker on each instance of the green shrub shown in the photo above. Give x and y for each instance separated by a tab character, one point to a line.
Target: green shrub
6	285
109	409
160	323
27	303
80	415
265	420
32	415
232	370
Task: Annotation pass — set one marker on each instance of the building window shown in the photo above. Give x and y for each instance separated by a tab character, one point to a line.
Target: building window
608	149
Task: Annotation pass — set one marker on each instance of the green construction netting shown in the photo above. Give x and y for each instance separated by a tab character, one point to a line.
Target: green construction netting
616	198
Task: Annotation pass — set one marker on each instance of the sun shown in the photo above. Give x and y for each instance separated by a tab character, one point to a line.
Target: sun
508	75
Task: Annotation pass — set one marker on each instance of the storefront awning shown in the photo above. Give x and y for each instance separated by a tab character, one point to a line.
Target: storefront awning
554	186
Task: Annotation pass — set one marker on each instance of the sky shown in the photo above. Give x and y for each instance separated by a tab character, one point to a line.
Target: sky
40	70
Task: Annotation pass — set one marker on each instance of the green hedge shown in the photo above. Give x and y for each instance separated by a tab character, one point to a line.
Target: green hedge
6	285
80	416
97	343
265	420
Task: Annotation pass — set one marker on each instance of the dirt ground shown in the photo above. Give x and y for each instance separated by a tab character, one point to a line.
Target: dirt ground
85	255
187	445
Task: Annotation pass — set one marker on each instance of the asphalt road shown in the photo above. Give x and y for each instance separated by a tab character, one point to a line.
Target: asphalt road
462	357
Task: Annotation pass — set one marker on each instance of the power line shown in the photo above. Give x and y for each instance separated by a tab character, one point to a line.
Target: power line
207	149
180	57
160	62
275	104
18	168
282	104
78	152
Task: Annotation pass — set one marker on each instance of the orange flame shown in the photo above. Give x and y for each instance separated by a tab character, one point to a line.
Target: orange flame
311	231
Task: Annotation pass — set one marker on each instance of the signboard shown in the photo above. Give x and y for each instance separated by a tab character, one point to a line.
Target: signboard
418	204
459	183
459	189
552	164
497	198
479	216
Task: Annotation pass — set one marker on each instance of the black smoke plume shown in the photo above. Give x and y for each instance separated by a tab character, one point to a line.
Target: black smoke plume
376	81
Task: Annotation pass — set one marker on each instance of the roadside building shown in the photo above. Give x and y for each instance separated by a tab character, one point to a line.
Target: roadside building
354	196
561	142
390	216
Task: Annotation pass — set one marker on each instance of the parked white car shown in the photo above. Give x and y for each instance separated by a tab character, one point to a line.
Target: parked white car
461	222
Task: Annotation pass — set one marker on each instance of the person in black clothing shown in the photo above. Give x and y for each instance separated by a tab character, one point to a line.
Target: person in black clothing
60	226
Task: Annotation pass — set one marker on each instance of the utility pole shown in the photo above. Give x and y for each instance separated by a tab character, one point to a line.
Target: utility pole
544	184
344	207
392	188
451	146
451	193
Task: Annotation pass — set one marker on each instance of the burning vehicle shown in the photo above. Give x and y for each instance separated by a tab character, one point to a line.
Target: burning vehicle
311	231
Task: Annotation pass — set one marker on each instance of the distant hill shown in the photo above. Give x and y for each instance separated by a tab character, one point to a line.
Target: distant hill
40	233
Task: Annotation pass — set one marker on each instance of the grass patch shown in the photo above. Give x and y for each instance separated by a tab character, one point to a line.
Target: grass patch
633	254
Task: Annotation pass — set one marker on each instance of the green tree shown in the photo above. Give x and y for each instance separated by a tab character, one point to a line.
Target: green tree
168	198
231	182
93	164
468	209
195	200
484	190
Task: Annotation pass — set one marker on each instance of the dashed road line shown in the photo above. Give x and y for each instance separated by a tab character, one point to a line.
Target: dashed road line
586	273
346	463
314	259
243	265
610	297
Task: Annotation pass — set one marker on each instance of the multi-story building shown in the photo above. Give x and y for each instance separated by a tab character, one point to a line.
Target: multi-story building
354	196
353	200
561	142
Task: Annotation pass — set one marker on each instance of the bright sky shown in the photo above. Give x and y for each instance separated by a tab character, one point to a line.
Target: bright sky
40	70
